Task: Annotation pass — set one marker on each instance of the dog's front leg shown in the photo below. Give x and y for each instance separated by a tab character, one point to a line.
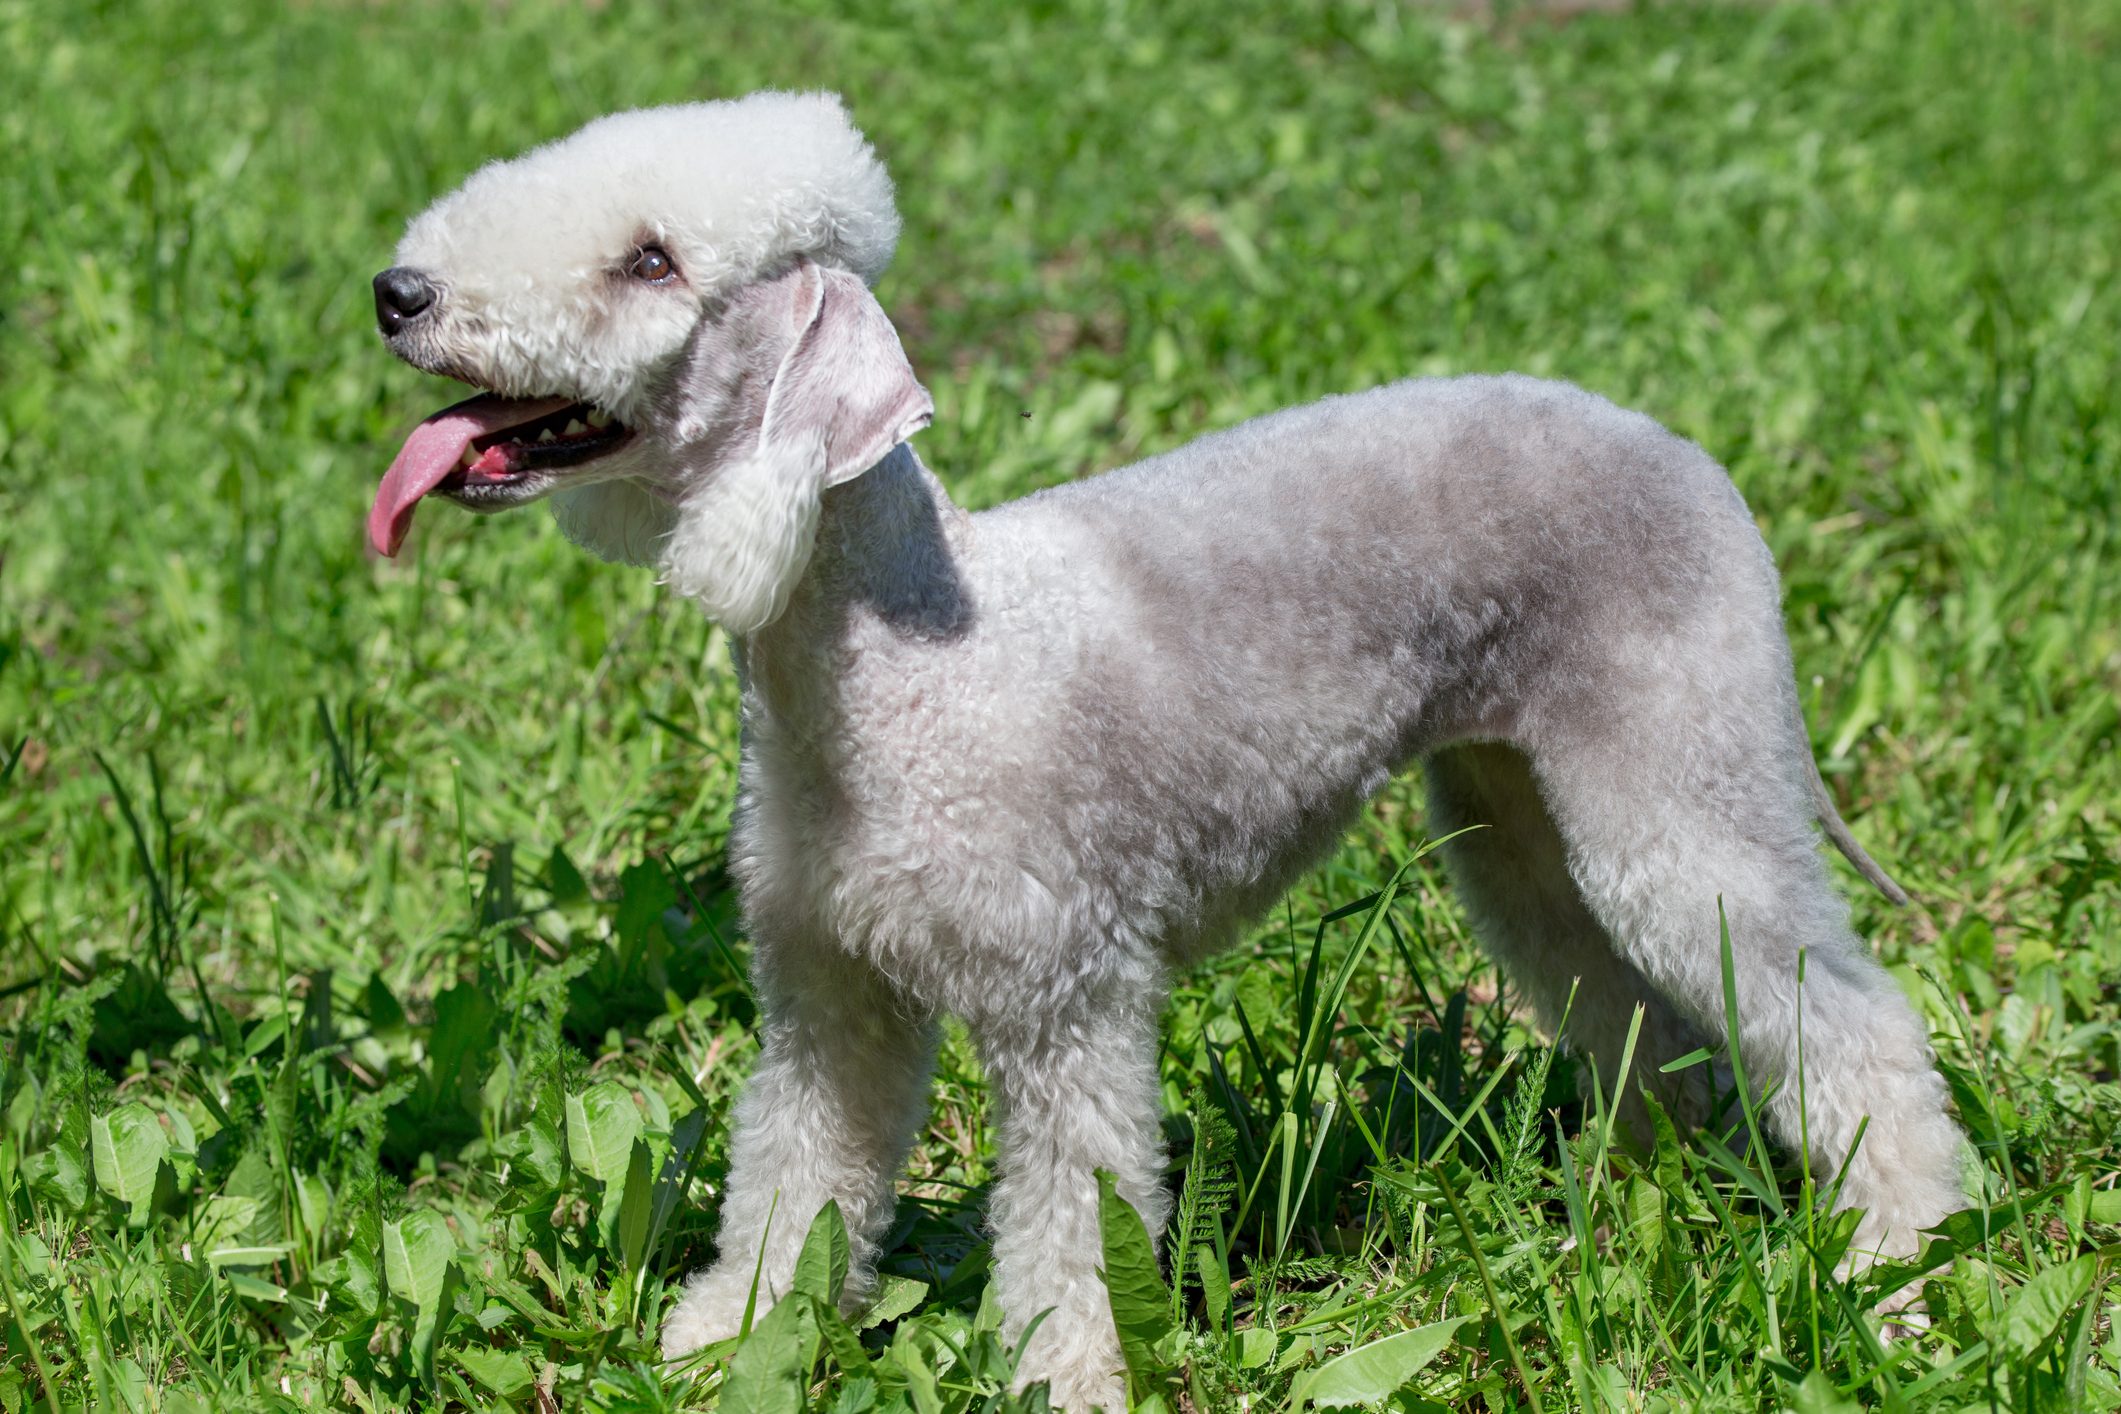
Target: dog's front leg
1077	1093
840	1089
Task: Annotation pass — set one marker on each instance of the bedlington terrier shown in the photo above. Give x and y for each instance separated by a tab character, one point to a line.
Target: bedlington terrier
1020	766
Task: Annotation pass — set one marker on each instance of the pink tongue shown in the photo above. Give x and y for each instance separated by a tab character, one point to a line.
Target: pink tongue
434	449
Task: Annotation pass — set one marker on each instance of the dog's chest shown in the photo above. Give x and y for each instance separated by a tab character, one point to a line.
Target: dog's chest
898	807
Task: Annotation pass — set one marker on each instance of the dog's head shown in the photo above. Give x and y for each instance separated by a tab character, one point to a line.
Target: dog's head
669	316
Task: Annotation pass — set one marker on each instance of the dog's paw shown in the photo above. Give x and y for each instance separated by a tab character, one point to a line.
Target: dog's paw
704	1314
1909	1322
1902	1315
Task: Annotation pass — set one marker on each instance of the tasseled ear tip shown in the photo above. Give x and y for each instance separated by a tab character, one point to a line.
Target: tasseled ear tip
744	537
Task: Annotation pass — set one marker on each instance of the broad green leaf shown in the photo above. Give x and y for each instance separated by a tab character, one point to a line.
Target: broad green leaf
602	1124
677	1167
537	1152
248	1256
280	1100
505	1372
2042	1303
1253	1348
416	1253
129	1385
265	1034
1141	1303
565	881
224	1220
645	895
1644	1205
1371	1372
895	1297
768	1373
1819	1395
256	1288
466	1027
428	1326
2105	1206
312	1202
821	1267
1669	1166
254	1177
1967	1230
351	1277
636	1202
909	1355
59	1170
1214	1286
840	1339
183	1139
384	1014
128	1145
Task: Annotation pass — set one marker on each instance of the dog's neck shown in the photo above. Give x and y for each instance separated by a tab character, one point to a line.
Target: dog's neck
886	559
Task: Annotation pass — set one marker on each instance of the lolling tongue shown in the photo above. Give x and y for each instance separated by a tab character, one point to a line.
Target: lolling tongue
433	451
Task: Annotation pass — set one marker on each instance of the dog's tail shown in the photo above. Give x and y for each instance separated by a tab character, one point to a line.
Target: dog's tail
1837	830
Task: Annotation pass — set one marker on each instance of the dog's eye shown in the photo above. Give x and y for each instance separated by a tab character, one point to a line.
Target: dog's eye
653	264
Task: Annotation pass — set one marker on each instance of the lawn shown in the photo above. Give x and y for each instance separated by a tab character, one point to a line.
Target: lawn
373	996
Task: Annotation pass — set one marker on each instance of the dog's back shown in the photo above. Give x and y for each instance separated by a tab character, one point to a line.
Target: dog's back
1289	609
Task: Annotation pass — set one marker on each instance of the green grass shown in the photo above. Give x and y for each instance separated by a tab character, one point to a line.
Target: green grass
371	987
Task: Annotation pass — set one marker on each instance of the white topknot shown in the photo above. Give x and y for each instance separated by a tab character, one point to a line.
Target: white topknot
743	185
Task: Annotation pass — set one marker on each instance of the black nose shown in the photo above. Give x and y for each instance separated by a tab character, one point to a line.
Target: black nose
400	295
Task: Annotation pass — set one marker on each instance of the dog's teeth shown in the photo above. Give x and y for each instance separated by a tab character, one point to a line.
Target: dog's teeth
546	435
599	419
471	458
574	428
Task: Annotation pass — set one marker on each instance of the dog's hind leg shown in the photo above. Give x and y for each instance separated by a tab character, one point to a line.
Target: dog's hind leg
1695	798
833	1105
1511	871
1077	1091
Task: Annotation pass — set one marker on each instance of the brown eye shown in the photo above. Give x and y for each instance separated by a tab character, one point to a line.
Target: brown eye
652	264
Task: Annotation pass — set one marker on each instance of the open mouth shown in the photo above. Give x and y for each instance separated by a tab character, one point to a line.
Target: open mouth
489	453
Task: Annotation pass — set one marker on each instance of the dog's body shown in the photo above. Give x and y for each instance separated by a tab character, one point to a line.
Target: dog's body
1018	766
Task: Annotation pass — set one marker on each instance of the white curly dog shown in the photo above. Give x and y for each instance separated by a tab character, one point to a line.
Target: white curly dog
1019	766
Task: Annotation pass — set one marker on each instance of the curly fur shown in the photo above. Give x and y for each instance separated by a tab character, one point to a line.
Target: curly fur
1019	766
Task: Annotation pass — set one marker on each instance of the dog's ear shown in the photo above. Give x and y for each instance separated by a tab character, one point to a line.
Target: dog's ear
841	396
844	380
